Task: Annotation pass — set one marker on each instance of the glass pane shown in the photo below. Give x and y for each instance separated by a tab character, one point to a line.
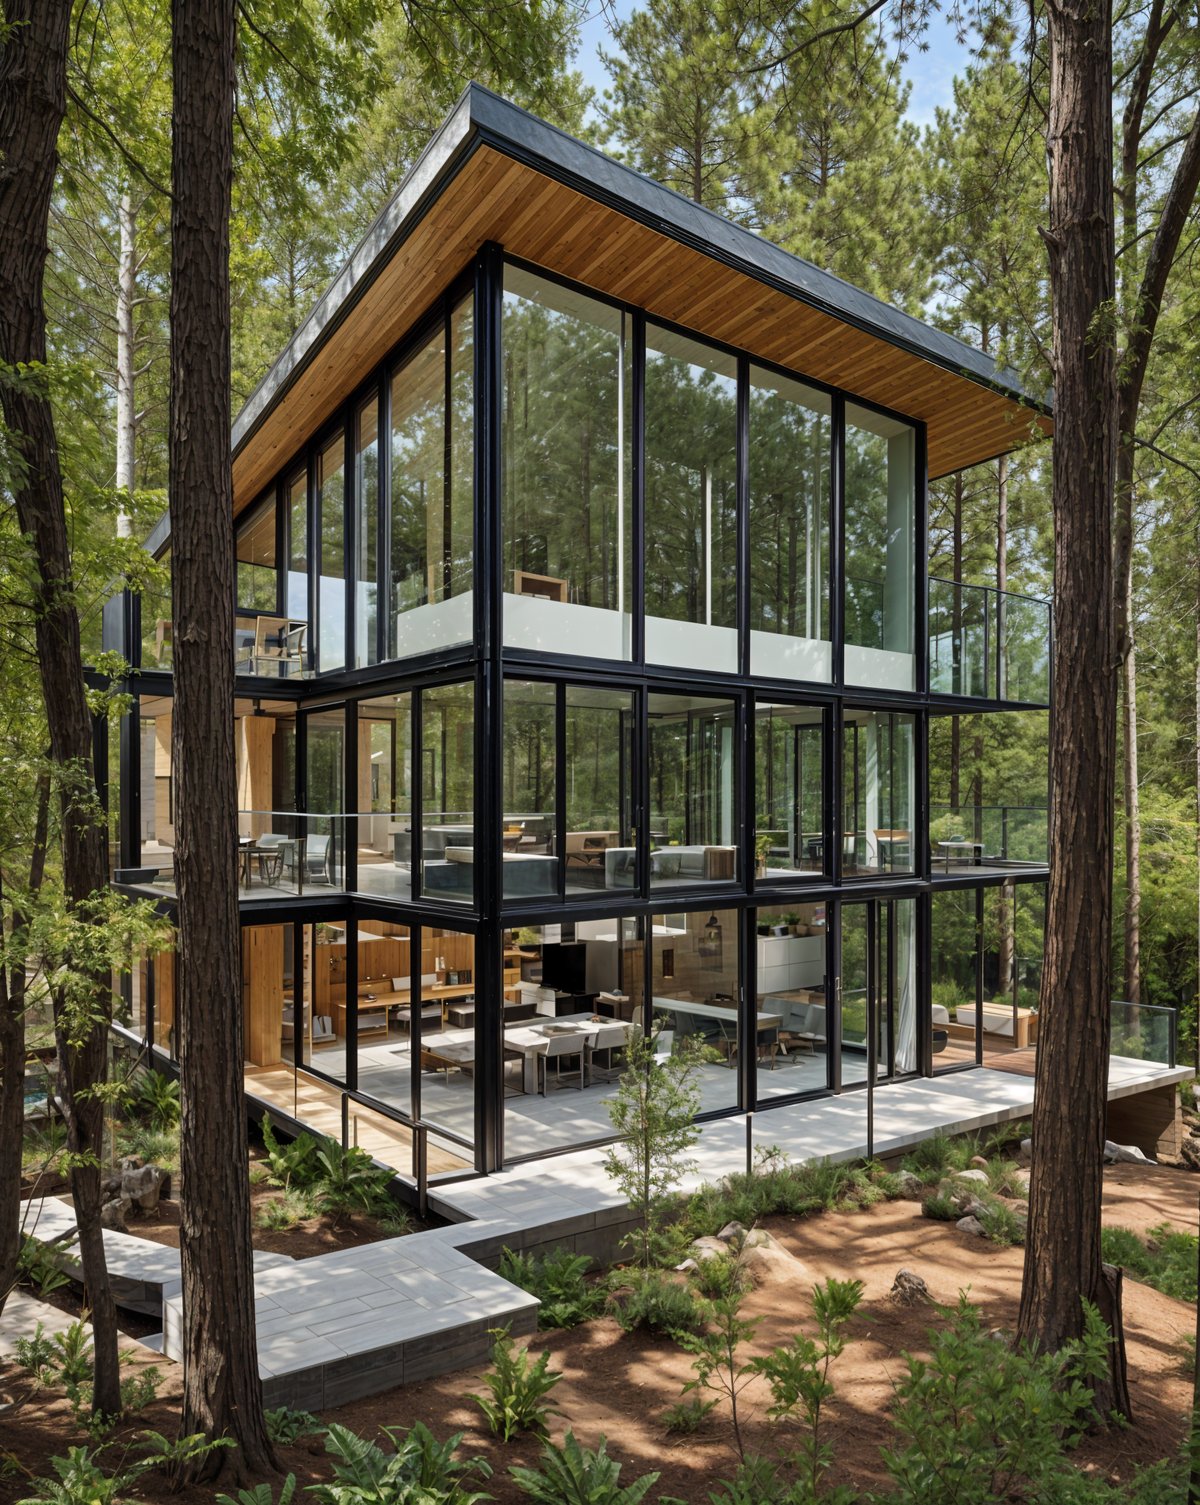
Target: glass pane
856	977
878	796
325	840
527	827
448	792
692	781
255	553
600	849
443	1037
696	980
789	455
789	808
297	580
880	550
157	637
791	950
900	1021
955	949
385	1006
385	796
432	460
331	503
691	495
566	470
571	996
366	492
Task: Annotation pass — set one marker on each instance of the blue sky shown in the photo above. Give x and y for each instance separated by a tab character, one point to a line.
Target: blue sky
931	73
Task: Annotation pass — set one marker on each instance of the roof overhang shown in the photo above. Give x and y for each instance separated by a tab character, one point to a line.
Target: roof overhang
495	173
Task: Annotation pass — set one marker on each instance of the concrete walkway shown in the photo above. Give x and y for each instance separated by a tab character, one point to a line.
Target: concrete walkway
344	1325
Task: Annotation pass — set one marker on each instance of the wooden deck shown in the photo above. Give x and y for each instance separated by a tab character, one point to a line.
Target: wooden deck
318	1105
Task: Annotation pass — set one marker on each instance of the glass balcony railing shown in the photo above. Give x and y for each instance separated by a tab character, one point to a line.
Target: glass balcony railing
1143	1032
988	644
270	647
988	836
281	854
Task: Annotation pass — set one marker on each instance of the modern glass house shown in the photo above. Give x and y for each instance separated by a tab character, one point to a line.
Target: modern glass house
587	668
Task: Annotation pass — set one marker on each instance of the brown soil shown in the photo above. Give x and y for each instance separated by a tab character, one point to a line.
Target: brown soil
618	1385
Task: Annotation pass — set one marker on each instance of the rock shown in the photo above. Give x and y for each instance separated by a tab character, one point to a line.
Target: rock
1124	1154
979	1161
730	1232
708	1248
114	1212
971	1225
142	1185
1189	1153
110	1186
771	1264
1026	1150
911	1187
978	1177
908	1288
759	1238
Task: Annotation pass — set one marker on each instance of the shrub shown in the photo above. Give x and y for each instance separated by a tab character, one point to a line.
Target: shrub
285	1210
156	1099
81	1479
261	1494
941	1207
349	1181
286	1426
980	1421
715	1356
558	1281
1166	1259
932	1154
153	1145
1004	1178
1001	1224
421	1470
35	1264
518	1389
574	1475
687	1416
290	1161
653	1300
722	1275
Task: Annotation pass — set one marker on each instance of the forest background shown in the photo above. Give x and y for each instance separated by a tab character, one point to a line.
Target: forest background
816	149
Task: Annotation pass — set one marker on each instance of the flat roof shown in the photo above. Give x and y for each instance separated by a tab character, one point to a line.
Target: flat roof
493	172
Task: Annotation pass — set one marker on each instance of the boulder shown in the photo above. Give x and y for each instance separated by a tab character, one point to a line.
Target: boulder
759	1238
1124	1154
708	1248
1189	1153
1026	1151
771	1264
114	1212
971	1225
978	1177
730	1232
911	1188
908	1288
142	1185
979	1161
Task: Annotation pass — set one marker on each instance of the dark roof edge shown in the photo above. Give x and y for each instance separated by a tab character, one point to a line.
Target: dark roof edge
480	115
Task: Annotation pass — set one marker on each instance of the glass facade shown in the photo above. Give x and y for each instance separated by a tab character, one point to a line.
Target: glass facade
693	754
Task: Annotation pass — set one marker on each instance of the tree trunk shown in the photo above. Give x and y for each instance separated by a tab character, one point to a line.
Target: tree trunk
1133	816
1063	1266
222	1394
33	67
126	407
1005	912
956	641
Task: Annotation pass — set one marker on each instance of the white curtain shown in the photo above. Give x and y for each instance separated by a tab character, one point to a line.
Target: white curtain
905	962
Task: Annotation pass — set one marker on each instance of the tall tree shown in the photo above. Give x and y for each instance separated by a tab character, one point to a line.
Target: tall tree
33	66
222	1394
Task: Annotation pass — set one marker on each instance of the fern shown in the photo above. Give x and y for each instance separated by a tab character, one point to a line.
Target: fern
574	1475
518	1387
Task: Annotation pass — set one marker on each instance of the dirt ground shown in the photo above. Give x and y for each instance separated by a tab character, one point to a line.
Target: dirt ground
618	1385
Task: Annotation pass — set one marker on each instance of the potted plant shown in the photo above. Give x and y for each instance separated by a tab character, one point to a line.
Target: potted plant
794	925
762	846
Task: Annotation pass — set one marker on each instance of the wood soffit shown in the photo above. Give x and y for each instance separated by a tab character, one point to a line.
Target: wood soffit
493	197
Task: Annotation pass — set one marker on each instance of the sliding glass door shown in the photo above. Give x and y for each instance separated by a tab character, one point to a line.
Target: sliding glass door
879	990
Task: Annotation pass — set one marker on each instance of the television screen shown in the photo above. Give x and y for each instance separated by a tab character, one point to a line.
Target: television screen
564	967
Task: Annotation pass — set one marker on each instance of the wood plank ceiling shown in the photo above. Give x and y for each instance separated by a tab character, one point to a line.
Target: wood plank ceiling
534	217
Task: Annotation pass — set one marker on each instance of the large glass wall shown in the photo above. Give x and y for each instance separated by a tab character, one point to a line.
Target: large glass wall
448	792
324	848
366	532
790	455
879	988
691	503
788	790
880	550
529	827
955	978
254	551
385	833
566	483
600	843
695	983
432	491
878	792
692	795
297	549
791	999
331	522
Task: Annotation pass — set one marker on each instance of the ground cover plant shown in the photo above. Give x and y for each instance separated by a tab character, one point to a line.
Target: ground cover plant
559	1281
1164	1259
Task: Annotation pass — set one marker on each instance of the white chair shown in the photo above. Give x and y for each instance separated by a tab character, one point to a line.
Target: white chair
558	1049
664	1043
609	1038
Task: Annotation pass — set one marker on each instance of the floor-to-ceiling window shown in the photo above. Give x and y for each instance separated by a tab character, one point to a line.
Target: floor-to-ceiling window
789	789
600	841
880	550
447	776
323	857
955	980
695	983
879	989
791	1002
385	831
366	533
331	525
432	491
878	792
529	825
790	458
691	503
692	799
566	482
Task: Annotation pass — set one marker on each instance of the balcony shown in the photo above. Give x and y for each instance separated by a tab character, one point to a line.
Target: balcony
974	839
281	855
986	644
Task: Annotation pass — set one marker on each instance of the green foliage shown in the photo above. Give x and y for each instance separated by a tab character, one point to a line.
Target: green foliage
338	1181
980	1421
156	1099
82	1479
653	1110
714	1351
35	1264
262	1494
154	1146
1165	1259
656	1301
286	1210
574	1475
1001	1224
941	1207
778	1189
66	1359
518	1387
292	1160
286	1426
558	1280
420	1471
798	1374
721	1275
687	1416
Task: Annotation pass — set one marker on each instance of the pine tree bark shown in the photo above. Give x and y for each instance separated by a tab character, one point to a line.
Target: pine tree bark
33	66
222	1393
1063	1265
126	303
